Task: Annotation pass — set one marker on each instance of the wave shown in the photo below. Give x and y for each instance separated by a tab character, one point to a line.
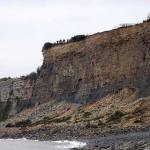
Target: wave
65	144
27	144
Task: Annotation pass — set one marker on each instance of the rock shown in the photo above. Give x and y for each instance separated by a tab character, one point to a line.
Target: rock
83	88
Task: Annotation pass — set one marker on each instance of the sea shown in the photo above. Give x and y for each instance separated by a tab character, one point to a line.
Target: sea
24	144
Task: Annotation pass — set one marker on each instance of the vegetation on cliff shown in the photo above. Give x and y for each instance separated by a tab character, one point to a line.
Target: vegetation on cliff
76	38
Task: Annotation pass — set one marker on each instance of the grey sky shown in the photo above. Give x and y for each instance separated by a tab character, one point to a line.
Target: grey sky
25	25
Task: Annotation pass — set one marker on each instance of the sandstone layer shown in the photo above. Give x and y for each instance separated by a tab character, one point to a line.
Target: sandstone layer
85	71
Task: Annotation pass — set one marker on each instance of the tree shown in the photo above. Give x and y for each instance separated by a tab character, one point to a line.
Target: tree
47	45
78	38
60	42
148	16
64	40
124	25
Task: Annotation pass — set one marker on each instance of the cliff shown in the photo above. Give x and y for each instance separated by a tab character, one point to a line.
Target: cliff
15	95
85	71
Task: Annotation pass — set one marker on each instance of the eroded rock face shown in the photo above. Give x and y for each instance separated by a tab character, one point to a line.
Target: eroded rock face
15	95
87	70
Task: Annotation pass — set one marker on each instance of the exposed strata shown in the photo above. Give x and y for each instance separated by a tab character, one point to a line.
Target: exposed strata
88	70
85	89
15	95
84	71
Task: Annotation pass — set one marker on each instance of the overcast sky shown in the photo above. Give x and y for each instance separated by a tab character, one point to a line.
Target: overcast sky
25	25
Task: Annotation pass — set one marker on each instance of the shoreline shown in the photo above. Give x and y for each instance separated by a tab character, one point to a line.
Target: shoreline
120	139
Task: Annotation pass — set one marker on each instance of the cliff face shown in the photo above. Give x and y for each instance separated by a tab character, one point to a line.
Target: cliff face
87	70
15	95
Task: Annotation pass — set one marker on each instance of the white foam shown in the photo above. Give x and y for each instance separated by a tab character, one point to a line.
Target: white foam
25	144
65	144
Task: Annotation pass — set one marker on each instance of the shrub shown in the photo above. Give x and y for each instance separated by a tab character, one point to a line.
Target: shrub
62	119
54	119
47	45
32	76
78	38
148	17
38	70
23	123
9	125
5	79
91	125
124	25
138	121
60	42
86	114
116	116
138	111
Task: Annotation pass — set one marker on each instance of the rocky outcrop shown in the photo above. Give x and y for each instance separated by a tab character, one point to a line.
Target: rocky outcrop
15	95
86	70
